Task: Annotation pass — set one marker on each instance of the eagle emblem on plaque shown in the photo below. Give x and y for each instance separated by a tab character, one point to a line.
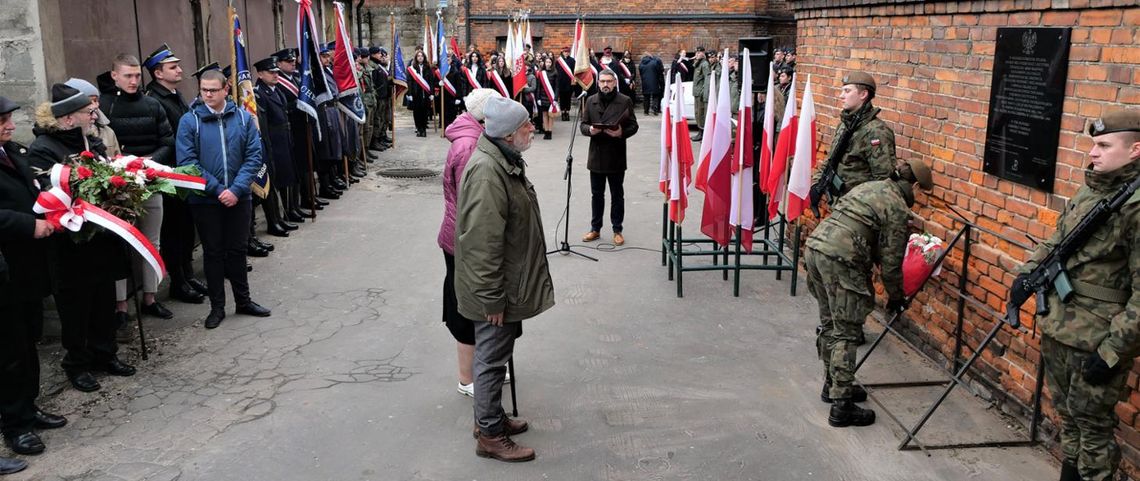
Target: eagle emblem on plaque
1028	42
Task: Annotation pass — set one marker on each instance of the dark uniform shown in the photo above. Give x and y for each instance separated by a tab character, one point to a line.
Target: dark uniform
867	227
566	83
277	145
871	153
297	196
382	82
1089	342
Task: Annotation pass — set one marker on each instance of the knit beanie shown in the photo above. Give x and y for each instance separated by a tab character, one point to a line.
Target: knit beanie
66	100
82	86
476	100
503	116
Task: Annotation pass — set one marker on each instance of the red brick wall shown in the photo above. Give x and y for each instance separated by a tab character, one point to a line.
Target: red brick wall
933	62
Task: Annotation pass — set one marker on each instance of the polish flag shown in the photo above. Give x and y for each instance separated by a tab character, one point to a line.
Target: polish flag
742	162
702	179
583	63
518	72
680	159
799	182
769	130
718	189
777	176
666	139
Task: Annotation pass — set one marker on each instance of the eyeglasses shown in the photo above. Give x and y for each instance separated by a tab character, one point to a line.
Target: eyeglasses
92	112
210	91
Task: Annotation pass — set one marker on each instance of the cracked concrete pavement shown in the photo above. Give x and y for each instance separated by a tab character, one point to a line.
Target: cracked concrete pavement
353	377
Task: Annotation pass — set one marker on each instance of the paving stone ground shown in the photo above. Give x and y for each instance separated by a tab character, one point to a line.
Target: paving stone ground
353	377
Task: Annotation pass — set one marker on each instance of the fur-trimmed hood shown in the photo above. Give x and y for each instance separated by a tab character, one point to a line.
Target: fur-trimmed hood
45	120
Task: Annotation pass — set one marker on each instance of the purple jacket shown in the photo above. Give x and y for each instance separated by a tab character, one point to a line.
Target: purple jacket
464	133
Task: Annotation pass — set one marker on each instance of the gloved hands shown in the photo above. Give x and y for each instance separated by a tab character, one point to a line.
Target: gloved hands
1095	371
458	102
896	305
1019	292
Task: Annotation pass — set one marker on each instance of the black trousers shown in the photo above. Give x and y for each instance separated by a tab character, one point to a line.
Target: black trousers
224	232
564	100
177	240
19	365
652	102
87	325
598	199
420	115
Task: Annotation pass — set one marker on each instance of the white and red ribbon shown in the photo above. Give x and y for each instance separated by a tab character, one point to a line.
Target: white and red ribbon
62	210
500	84
565	67
419	80
471	78
446	84
549	89
155	170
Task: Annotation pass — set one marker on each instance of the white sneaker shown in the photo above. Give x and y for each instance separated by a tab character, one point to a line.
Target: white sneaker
466	389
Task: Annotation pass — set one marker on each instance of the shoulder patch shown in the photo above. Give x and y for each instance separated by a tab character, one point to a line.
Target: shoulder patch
875	142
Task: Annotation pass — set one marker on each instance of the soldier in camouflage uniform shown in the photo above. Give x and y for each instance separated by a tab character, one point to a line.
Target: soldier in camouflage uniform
868	227
368	96
1089	342
871	153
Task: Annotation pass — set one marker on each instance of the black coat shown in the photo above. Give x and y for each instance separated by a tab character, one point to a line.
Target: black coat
607	154
652	75
329	147
276	133
173	103
381	82
685	67
299	127
541	99
23	259
75	264
565	83
420	98
140	122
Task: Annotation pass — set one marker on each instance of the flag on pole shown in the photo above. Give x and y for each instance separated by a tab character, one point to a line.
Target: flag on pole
442	60
666	138
742	162
785	145
399	77
718	189
680	158
242	79
799	182
766	137
344	71
313	89
583	64
429	41
702	179
518	72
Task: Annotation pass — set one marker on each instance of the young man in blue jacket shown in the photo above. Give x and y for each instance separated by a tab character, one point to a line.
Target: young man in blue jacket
222	140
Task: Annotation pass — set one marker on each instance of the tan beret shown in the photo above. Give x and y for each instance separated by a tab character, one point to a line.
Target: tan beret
922	173
1120	121
860	78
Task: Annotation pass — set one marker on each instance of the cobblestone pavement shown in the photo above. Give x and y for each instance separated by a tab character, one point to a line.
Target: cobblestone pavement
353	377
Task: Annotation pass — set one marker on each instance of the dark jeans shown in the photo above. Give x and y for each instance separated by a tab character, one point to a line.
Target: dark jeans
224	232
177	240
652	101
420	115
19	365
87	325
598	199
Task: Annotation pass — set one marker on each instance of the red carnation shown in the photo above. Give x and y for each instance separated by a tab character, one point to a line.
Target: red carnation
118	181
87	154
135	165
84	172
150	173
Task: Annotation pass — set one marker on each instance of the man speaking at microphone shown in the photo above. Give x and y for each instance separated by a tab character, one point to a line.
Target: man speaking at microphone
608	119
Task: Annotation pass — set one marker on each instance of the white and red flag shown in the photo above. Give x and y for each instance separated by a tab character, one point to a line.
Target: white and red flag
518	71
767	137
680	158
741	214
702	178
666	138
718	189
583	64
344	71
785	146
799	181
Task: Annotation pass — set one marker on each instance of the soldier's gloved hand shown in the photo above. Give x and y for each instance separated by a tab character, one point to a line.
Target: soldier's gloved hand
896	305
1019	292
1095	371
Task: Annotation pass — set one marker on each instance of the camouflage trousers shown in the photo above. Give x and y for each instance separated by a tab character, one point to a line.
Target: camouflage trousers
381	121
844	295
369	126
1087	412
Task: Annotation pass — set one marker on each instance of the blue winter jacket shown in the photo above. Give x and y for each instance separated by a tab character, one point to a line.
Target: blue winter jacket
225	147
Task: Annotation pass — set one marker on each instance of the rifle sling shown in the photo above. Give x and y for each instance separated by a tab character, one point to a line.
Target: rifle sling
1100	293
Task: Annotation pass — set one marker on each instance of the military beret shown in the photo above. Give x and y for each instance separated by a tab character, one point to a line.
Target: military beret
859	78
1120	121
267	65
922	173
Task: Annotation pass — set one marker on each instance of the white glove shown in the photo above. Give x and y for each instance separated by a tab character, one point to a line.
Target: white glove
458	102
409	98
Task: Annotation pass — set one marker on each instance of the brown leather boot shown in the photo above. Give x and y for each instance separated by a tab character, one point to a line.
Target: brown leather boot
510	426
501	447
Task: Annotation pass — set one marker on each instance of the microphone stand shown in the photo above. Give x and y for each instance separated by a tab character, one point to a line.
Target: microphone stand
565	247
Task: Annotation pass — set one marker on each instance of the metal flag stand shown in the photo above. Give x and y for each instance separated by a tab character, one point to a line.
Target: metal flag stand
957	370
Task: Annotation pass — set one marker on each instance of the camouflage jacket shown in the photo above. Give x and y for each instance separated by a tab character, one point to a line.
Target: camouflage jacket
702	74
868	226
870	154
368	92
1107	260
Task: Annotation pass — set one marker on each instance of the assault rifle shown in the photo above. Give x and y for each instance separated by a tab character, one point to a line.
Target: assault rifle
829	183
1050	273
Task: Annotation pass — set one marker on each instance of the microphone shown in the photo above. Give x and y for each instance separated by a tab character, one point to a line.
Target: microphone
583	94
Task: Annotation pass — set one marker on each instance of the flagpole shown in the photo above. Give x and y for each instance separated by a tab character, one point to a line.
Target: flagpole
392	103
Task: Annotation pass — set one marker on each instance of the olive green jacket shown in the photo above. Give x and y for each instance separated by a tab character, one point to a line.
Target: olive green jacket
702	74
870	154
500	248
868	226
368	91
1109	261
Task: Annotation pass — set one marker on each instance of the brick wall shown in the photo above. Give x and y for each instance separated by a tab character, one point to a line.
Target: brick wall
933	62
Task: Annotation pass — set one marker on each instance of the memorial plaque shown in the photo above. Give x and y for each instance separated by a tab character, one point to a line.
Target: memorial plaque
1026	97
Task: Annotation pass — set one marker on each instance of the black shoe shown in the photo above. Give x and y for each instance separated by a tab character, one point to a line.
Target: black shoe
294	216
117	368
198	286
26	443
304	213
49	420
371	156
321	203
358	171
338	184
858	394
845	413
252	309
121	319
262	244
11	466
215	318
275	231
248	267
254	250
862	338
353	180
1069	472
185	293
156	309
566	115
328	194
84	381
285	226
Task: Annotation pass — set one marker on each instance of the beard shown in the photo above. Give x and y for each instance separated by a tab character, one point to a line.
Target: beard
522	142
608	97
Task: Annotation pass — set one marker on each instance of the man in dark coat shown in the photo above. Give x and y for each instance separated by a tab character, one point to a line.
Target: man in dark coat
381	82
277	140
608	120
330	146
652	81
177	226
24	282
299	195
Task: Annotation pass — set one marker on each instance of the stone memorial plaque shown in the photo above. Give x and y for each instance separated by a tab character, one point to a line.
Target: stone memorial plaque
1026	97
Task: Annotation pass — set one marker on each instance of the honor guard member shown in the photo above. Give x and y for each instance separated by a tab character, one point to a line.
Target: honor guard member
368	96
177	226
870	155
277	143
381	80
869	226
298	198
330	147
1090	340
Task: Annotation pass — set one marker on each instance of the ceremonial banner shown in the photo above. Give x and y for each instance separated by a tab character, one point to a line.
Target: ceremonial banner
680	158
718	190
344	71
399	78
313	89
741	214
705	153
769	131
666	138
583	64
799	182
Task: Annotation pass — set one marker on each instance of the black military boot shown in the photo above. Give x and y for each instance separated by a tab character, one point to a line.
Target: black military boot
858	394
845	413
1069	472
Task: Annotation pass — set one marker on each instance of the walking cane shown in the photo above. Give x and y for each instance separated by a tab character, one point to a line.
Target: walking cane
514	387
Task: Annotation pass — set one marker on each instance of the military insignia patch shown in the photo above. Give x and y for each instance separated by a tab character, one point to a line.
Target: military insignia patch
875	142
